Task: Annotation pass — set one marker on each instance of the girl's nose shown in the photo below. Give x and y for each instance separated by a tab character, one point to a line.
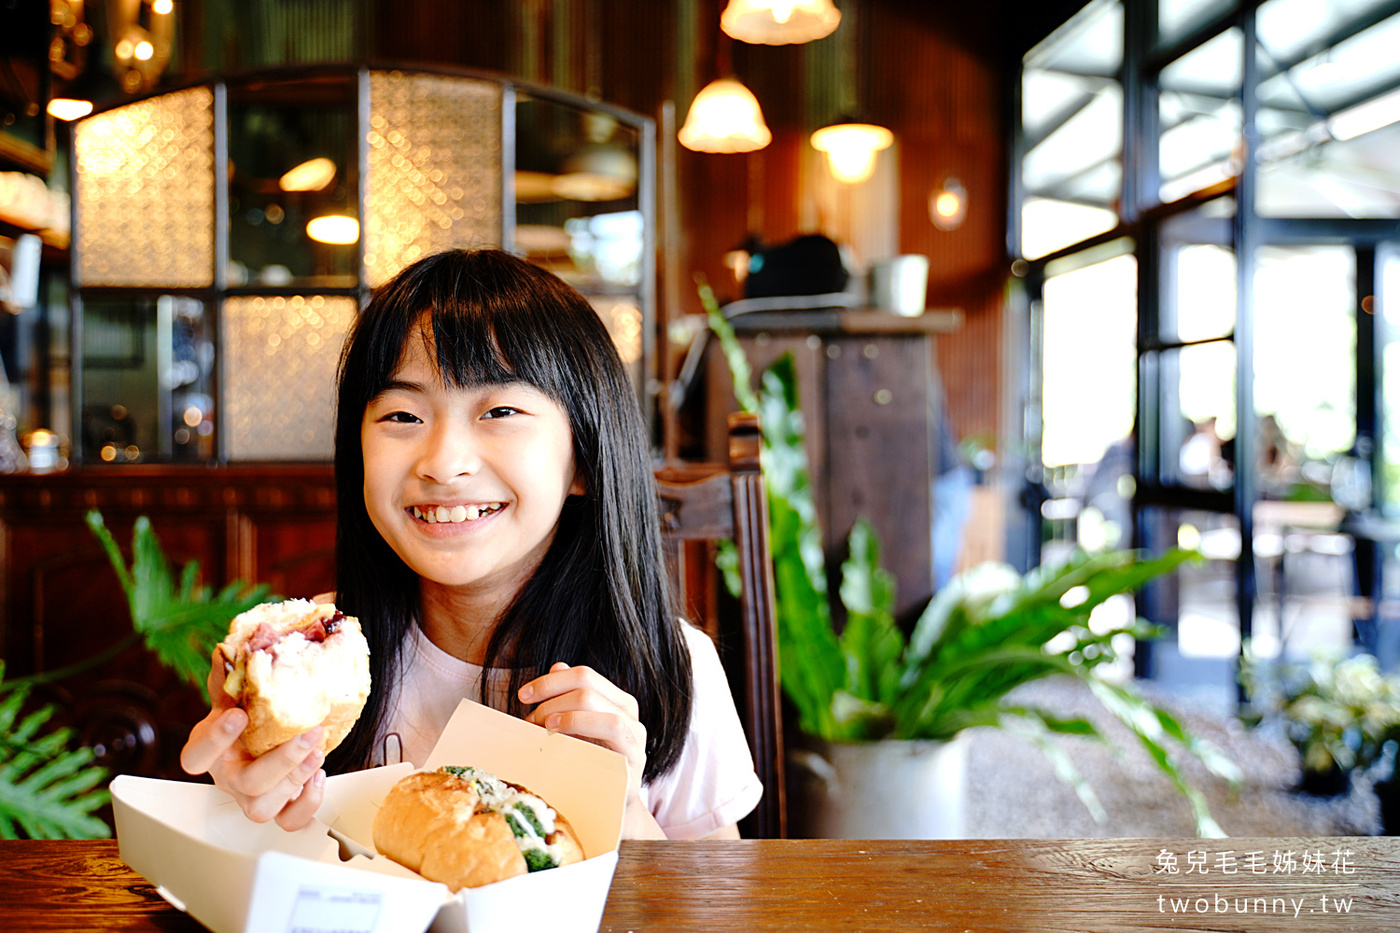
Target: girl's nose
447	455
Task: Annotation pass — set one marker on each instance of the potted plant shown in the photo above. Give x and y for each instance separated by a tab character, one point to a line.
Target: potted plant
1339	713
988	632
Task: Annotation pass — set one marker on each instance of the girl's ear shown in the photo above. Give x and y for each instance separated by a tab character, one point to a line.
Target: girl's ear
577	487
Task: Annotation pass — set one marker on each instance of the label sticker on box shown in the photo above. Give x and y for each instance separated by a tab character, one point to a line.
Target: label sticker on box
335	910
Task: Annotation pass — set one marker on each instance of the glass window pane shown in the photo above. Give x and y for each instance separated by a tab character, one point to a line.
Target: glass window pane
578	210
270	344
1198	274
577	207
292	162
1386	303
1088	411
1176	18
145	179
1328	123
1205	293
1090	313
434	169
1200	116
1072	120
1304	363
147	363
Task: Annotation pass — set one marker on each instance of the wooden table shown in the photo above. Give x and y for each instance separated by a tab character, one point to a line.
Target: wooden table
1046	886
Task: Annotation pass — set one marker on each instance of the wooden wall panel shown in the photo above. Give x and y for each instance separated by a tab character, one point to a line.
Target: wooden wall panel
62	603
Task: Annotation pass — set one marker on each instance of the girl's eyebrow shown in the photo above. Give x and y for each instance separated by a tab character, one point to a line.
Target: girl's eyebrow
400	385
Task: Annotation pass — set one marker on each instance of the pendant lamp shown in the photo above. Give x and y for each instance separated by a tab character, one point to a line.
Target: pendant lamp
779	22
850	148
724	117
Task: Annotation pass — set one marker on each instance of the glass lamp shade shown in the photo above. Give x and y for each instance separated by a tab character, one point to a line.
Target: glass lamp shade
724	117
779	22
850	148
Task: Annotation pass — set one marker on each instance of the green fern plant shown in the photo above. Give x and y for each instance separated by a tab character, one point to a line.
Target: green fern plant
181	623
989	631
50	789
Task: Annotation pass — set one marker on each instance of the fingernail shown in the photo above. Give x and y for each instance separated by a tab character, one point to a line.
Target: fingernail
313	761
552	722
310	739
231	724
527	693
320	779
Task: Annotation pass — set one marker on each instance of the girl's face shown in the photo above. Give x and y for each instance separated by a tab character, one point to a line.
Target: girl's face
466	485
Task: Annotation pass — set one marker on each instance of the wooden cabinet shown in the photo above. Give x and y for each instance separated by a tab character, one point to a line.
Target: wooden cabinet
62	602
868	388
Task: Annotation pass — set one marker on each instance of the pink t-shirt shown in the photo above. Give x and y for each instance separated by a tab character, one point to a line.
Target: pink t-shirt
712	785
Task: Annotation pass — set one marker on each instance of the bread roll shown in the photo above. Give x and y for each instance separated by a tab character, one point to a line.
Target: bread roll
293	666
465	828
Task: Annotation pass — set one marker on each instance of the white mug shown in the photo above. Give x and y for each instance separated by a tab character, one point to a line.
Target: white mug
900	285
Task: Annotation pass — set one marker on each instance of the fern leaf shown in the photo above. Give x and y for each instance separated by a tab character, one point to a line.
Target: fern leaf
47	790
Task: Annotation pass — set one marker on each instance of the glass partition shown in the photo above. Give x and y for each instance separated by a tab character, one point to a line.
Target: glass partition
146	376
305	189
292	163
579	211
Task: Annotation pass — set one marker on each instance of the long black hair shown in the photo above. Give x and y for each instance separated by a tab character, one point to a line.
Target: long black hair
600	595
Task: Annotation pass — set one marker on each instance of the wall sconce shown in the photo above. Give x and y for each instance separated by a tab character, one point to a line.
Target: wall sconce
850	148
947	206
724	117
779	22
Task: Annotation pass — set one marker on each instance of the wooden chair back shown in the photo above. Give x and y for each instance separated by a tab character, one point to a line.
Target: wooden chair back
706	503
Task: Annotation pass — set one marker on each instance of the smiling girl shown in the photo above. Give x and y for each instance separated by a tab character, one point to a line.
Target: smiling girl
498	539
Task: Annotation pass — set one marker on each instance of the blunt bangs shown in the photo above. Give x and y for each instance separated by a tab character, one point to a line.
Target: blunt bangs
490	320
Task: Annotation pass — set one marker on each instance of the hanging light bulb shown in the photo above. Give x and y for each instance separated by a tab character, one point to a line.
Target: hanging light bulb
850	148
779	22
724	117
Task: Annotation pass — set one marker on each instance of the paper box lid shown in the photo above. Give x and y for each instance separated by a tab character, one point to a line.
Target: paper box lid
181	835
584	782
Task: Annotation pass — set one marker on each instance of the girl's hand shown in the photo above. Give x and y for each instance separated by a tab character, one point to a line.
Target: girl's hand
285	784
579	701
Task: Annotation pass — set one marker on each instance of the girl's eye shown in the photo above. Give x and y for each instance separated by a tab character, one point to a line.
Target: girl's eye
501	411
400	417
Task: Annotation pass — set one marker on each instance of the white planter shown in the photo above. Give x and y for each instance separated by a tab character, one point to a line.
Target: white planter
891	789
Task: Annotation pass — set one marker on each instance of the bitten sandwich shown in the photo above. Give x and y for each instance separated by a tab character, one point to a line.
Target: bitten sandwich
465	827
293	666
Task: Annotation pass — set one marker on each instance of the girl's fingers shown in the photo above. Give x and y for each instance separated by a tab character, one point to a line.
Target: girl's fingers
610	729
563	679
211	739
303	809
262	775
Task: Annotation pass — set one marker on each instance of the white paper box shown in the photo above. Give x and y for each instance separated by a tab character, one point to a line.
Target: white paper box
236	876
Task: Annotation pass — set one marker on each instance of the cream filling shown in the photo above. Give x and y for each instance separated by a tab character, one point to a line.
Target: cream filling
442	515
499	796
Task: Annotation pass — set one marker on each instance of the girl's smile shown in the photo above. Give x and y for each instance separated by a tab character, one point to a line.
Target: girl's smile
465	484
455	514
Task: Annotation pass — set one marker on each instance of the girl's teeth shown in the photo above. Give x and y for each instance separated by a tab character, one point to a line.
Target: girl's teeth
455	515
